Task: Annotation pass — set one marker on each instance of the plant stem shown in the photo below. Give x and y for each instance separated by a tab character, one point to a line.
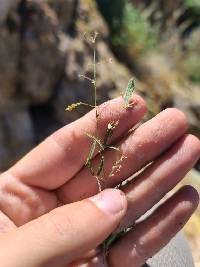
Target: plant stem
95	77
95	101
95	87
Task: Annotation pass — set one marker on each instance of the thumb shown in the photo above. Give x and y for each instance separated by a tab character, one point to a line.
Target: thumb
64	234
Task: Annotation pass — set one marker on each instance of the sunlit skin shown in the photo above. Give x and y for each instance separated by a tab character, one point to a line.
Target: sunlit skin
46	217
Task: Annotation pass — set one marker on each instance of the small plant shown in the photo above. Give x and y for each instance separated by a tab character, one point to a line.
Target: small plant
101	144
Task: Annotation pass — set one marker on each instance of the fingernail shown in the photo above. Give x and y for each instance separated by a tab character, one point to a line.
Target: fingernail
110	201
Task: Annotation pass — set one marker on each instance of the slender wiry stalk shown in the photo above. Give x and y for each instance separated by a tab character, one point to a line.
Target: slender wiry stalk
97	176
95	75
95	82
101	145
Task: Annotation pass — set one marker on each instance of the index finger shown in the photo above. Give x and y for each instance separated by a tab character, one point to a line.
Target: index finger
61	156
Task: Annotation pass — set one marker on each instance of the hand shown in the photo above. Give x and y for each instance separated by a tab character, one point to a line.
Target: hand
49	217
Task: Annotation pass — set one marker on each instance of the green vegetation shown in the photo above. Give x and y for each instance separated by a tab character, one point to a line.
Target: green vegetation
191	60
192	3
129	29
135	31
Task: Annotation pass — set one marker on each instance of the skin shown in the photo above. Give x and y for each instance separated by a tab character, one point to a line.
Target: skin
48	217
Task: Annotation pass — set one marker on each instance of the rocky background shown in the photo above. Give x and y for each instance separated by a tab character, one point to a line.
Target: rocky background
44	48
42	51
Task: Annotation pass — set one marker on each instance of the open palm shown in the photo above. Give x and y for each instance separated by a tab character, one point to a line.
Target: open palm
46	217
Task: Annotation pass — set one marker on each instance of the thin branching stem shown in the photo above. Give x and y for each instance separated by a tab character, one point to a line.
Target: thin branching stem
95	82
95	77
99	144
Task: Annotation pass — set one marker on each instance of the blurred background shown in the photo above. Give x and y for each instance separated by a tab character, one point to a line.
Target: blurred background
43	50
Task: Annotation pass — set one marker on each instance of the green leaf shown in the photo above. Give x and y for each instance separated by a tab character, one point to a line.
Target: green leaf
114	148
129	92
91	153
110	240
96	140
100	168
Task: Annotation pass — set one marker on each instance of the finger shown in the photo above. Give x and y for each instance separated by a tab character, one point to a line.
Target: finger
66	233
6	224
62	155
96	261
148	237
160	178
22	203
144	145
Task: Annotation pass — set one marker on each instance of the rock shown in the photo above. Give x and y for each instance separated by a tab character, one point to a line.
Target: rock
4	148
16	134
42	61
5	7
65	10
9	54
157	87
163	87
44	48
188	101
